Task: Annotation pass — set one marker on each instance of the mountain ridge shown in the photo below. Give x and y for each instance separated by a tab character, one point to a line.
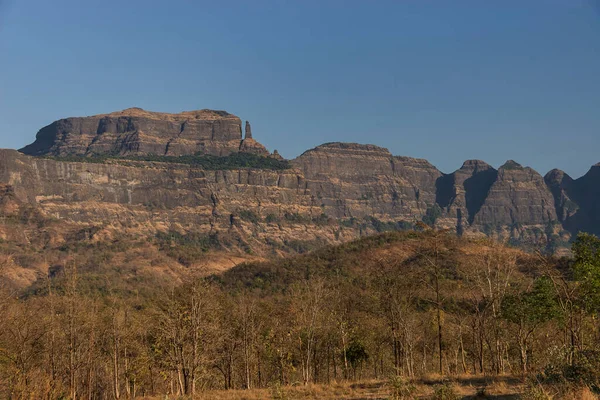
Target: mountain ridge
357	188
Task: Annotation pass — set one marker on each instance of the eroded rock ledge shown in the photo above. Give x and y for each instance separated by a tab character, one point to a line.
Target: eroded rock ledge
340	181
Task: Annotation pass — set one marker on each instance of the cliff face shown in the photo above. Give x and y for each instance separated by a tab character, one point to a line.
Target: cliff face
577	201
138	132
352	180
462	193
144	193
327	195
518	196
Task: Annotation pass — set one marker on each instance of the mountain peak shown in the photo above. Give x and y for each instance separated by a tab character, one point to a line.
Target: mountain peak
475	166
511	164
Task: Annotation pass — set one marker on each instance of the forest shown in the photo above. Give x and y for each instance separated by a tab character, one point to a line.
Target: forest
395	307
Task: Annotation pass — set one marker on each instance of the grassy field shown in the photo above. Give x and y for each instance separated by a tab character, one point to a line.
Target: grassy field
464	387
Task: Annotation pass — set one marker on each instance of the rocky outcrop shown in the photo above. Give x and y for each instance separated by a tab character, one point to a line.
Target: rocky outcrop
250	145
248	131
587	195
65	189
463	192
337	182
276	155
577	201
354	180
138	132
560	185
519	197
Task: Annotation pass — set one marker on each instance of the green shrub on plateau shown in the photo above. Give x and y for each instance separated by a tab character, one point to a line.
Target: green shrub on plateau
204	161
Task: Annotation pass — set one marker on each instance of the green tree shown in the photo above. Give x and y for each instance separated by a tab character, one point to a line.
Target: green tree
432	214
528	311
586	268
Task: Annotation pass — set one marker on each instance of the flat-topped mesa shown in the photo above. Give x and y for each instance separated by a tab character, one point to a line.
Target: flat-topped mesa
135	131
344	160
363	180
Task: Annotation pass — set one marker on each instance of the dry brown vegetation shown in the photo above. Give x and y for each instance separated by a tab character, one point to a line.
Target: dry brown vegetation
387	316
467	388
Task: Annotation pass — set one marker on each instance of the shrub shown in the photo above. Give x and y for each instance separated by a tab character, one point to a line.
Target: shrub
535	391
303	246
432	214
277	392
481	393
348	222
271	218
186	248
583	371
401	389
294	217
445	392
381	226
405	226
249	216
322	219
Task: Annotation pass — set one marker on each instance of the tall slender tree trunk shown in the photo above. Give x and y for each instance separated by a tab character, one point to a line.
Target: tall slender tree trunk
439	322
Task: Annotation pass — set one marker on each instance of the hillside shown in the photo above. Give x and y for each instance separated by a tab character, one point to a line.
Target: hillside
396	304
360	260
136	175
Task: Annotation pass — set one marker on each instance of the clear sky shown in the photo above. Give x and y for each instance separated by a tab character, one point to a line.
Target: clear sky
446	80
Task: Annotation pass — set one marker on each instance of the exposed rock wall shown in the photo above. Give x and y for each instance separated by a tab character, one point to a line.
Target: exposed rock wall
337	180
135	132
353	180
61	188
518	196
577	201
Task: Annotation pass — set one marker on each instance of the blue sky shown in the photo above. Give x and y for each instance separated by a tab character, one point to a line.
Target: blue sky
439	79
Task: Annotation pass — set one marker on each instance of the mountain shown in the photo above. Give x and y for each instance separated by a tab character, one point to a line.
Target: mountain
137	132
193	175
577	201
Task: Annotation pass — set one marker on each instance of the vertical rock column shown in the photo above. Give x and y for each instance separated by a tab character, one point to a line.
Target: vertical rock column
248	130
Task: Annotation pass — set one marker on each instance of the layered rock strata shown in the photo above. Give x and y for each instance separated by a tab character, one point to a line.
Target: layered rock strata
138	132
335	181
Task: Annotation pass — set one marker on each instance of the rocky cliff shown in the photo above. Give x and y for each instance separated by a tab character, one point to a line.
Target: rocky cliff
349	180
331	193
138	132
577	201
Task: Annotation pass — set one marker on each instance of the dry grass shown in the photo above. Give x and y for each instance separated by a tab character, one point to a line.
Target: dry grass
585	394
466	387
577	393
